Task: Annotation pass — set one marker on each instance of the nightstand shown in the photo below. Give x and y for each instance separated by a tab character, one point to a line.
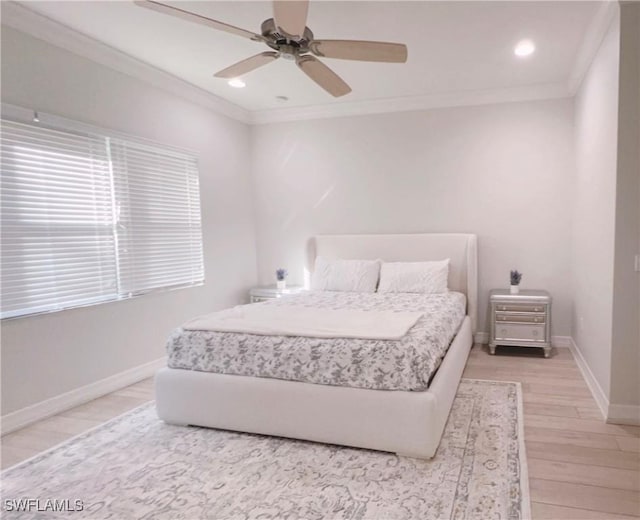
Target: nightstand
520	320
269	292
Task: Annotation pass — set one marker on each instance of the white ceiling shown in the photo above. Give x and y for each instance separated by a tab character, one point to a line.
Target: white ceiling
453	46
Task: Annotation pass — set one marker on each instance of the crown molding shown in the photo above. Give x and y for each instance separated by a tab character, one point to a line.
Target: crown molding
21	18
591	42
413	103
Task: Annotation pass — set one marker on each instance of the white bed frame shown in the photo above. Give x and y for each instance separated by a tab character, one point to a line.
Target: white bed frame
408	423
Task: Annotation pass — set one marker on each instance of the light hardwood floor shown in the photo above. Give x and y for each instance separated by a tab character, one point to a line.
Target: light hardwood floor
579	467
42	435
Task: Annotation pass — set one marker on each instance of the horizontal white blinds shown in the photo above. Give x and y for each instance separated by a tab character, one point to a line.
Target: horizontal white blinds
57	238
159	232
87	218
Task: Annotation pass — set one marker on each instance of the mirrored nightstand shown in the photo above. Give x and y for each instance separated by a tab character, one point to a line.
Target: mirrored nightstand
269	292
520	320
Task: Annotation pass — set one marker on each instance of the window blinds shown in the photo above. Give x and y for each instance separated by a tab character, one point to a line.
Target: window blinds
159	230
89	218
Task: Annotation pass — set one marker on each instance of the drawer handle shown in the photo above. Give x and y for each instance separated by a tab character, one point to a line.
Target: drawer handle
503	331
535	332
538	319
537	309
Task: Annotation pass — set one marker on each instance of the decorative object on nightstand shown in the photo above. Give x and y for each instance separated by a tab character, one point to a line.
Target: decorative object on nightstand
281	278
269	292
520	320
515	282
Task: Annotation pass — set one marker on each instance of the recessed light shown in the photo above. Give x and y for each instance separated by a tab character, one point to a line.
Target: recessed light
524	48
237	83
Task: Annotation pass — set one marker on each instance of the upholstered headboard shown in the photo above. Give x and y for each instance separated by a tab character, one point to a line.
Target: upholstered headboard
460	248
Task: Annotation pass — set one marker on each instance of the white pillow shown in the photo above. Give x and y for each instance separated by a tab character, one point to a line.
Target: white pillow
414	277
345	275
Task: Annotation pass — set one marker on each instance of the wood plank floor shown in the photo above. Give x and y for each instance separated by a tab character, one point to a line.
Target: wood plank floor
579	467
42	435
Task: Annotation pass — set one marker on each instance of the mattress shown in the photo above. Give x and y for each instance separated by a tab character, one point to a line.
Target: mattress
404	364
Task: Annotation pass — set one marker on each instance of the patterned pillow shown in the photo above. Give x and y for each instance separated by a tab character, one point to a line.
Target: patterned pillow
414	277
345	275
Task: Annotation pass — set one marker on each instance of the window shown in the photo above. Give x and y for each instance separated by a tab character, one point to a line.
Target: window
88	218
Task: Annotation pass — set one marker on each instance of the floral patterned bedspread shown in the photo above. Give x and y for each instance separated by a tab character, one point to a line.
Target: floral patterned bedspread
405	364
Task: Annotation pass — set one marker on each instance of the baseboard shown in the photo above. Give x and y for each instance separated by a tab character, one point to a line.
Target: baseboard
624	414
556	341
481	337
561	341
25	416
595	388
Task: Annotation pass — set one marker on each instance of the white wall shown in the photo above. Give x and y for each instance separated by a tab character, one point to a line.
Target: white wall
506	172
47	355
501	171
625	355
596	130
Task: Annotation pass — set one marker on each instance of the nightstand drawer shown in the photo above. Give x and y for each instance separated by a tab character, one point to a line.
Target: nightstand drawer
521	307
519	318
518	332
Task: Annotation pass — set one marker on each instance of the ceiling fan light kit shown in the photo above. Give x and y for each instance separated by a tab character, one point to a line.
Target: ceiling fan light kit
290	39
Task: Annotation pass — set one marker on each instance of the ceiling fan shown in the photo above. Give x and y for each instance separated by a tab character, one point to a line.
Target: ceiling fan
289	38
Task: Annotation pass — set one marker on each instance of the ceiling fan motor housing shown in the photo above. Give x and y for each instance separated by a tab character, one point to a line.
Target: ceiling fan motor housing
288	46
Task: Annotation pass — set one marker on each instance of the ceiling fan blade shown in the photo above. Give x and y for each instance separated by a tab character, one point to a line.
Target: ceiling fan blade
360	50
197	18
291	16
323	75
244	66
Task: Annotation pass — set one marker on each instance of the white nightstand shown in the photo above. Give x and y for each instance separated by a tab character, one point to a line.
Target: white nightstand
269	292
520	320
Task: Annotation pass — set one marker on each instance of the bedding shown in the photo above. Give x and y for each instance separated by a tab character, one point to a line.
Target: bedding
345	275
414	277
404	364
275	320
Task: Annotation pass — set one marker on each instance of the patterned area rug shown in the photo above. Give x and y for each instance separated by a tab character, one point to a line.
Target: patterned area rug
137	467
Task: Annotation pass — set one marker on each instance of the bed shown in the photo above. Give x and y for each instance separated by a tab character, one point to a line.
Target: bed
402	411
